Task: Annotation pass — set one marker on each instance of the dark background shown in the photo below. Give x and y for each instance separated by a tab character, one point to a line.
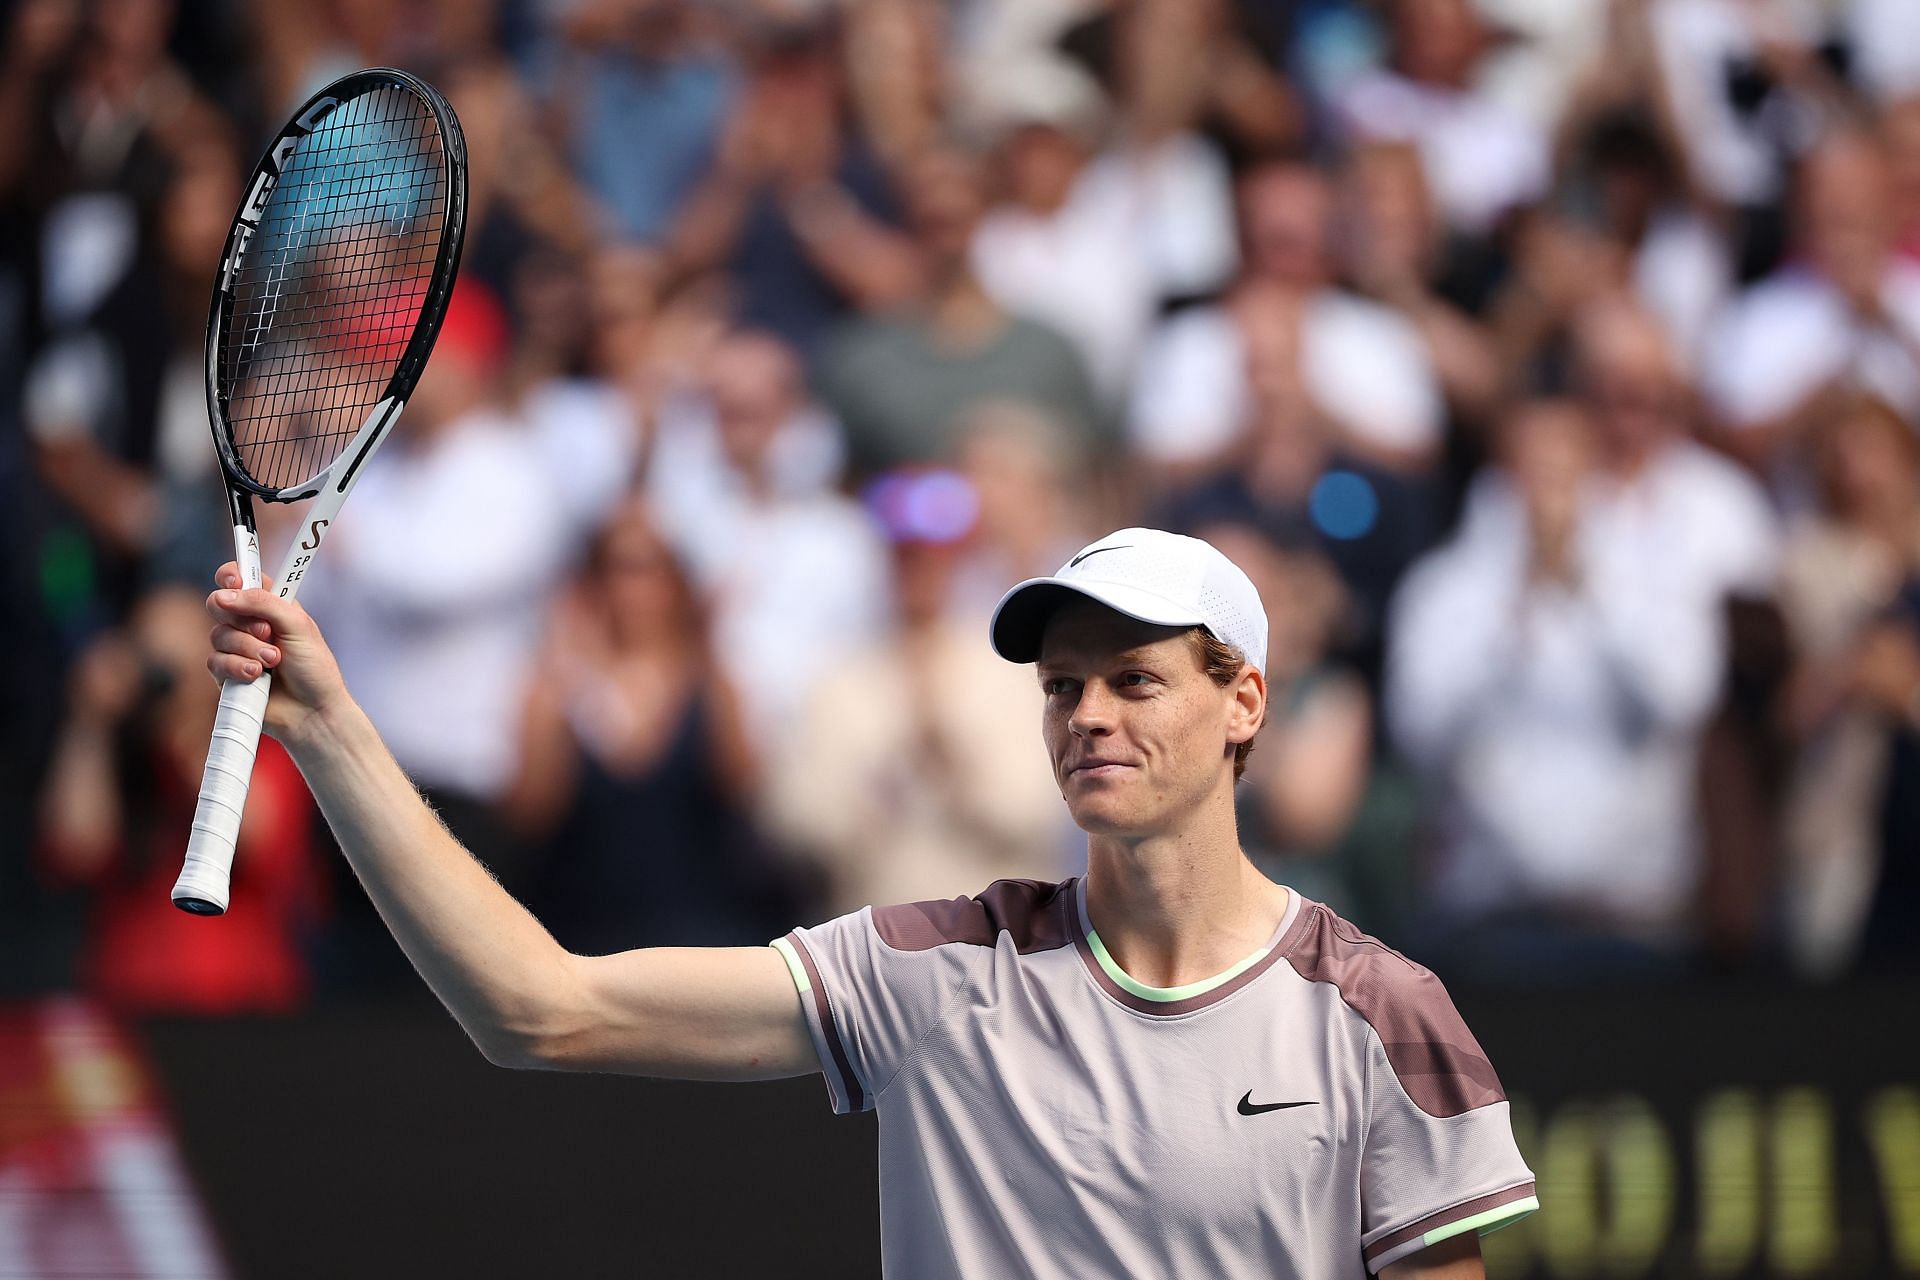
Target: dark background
377	1142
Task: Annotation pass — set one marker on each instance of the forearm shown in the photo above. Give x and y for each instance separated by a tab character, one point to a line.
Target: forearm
874	266
727	1013
709	225
498	971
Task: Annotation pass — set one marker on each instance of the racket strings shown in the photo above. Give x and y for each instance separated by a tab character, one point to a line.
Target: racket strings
330	290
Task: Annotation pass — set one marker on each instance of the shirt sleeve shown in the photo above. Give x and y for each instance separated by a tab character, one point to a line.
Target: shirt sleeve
1439	1157
868	1004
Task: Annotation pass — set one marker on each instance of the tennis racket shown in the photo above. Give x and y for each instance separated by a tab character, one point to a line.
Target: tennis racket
330	294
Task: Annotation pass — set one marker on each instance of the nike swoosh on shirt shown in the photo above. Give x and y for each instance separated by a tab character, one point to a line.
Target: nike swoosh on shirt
1122	546
1248	1107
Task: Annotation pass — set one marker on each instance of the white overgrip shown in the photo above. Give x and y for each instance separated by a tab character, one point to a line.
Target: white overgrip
205	881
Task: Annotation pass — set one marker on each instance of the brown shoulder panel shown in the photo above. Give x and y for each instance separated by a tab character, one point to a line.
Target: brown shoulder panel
1032	912
1437	1060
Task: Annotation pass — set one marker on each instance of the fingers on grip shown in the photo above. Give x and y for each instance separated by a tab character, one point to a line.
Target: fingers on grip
225	667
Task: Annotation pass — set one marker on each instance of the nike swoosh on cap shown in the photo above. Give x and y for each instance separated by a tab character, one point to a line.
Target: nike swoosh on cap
1119	546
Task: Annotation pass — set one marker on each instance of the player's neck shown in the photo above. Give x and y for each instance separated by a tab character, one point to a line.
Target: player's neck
1180	908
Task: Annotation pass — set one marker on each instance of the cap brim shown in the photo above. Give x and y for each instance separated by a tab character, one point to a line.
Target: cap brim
1021	618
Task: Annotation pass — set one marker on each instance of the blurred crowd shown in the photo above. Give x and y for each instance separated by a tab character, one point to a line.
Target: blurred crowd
1553	366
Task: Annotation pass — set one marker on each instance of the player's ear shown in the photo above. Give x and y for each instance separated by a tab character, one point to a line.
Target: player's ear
1249	709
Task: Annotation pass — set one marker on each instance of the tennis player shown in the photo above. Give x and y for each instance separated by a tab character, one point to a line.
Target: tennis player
1169	1067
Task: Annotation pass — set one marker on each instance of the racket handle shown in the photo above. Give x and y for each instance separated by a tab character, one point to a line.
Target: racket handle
204	882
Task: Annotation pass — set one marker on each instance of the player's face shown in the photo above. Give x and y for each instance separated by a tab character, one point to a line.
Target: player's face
1137	731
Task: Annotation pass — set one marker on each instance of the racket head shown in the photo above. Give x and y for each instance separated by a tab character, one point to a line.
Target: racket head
334	279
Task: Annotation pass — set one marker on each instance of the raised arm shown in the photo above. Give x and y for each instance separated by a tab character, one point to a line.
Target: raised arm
693	1013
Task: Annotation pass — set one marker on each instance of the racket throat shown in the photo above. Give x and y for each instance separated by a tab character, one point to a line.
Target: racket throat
246	536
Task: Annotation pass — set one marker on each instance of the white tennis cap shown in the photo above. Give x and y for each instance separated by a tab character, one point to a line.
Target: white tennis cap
1159	577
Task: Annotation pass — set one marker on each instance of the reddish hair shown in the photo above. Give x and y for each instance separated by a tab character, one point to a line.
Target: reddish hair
1223	664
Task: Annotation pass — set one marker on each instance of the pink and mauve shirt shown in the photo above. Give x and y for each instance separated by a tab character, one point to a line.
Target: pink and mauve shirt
1318	1111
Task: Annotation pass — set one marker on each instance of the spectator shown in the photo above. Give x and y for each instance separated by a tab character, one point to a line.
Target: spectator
167	512
1680	265
635	765
1294	476
615	63
586	369
1842	569
1846	315
917	770
1398	252
1035	507
1549	673
438	638
1168	63
1658	494
1558	264
118	806
1625	176
1049	249
113	119
1481	159
1712	521
519	191
742	482
796	207
1363	367
902	382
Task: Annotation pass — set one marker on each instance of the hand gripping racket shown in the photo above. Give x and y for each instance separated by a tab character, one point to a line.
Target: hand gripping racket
330	293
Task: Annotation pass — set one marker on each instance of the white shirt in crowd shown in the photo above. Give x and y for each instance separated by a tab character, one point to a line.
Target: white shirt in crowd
1363	365
1076	270
1560	723
794	579
434	590
1784	339
1139	226
587	430
1178	197
1683	274
861	798
1480	158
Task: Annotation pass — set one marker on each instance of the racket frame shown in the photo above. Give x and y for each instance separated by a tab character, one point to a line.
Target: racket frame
205	880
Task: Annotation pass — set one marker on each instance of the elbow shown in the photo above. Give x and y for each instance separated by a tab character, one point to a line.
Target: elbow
542	1027
535	1039
505	1049
520	1051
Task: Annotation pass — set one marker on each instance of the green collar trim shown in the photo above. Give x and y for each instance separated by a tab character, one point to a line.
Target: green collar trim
1167	995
